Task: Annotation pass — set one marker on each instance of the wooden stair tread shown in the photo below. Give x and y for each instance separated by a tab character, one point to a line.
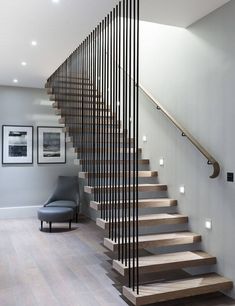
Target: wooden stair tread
71	92
142	203
140	161
158	240
141	188
64	102
170	290
89	130
101	141
86	108
70	77
149	220
69	85
144	174
165	262
79	105
81	98
120	150
54	97
97	123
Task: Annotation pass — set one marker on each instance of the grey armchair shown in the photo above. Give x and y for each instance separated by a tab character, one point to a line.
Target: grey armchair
66	194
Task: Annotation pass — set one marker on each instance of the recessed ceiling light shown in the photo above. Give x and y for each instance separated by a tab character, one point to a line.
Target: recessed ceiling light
34	43
15	81
55	1
23	63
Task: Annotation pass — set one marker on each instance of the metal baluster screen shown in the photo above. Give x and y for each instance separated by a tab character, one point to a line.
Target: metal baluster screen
96	90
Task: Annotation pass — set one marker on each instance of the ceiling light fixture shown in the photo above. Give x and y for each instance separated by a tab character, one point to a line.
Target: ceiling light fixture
55	1
23	63
34	43
15	81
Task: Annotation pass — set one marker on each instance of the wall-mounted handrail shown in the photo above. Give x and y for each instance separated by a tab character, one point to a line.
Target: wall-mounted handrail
185	133
210	159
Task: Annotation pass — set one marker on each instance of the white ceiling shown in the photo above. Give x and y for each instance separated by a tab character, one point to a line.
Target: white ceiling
60	27
181	13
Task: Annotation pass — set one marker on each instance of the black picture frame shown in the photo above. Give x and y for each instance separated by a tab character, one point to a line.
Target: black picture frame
19	157
54	156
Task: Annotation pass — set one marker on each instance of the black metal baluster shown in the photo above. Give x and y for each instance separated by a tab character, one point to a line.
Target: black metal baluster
102	119
134	147
107	135
110	127
116	122
137	153
98	108
130	135
119	120
104	128
123	119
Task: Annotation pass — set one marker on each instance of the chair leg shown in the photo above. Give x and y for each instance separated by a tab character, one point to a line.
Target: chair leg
41	225
70	223
50	226
76	217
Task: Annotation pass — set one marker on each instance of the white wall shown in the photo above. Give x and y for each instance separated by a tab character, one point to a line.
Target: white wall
192	73
23	186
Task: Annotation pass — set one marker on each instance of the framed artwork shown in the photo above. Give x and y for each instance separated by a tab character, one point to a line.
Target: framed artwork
17	144
51	145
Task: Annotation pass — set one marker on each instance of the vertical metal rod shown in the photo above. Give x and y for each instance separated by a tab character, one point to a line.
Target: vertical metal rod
125	137
102	118
98	109
82	102
107	106
94	107
110	128
119	120
137	153
104	107
117	126
130	134
134	157
123	119
108	103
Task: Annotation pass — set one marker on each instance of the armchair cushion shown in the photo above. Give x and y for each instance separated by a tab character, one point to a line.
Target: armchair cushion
62	203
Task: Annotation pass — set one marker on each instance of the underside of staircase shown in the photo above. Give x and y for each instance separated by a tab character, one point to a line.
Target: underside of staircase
165	243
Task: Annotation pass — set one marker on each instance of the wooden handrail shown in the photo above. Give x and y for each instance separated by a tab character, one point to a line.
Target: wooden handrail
185	133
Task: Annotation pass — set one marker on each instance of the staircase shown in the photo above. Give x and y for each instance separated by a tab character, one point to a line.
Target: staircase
161	216
96	94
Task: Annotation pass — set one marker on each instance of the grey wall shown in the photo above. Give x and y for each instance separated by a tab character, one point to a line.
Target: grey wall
192	73
28	185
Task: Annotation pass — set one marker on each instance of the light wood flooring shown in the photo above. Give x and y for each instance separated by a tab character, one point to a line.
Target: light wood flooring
64	268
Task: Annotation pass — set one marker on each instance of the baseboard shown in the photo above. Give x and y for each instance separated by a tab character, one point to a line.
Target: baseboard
18	212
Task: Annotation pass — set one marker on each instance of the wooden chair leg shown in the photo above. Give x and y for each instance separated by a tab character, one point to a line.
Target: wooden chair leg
41	225
50	226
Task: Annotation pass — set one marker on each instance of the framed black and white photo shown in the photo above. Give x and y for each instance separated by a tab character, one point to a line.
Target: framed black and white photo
17	144
51	145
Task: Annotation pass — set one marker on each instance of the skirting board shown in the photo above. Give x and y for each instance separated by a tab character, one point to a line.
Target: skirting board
18	212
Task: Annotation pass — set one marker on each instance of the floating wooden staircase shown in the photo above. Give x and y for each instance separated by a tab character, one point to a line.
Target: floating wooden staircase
95	93
153	292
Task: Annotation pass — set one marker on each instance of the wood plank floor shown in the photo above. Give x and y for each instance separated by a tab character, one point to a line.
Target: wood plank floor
64	268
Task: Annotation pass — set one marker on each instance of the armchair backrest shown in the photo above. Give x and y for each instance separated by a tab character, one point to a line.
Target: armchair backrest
66	189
